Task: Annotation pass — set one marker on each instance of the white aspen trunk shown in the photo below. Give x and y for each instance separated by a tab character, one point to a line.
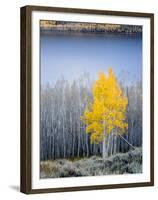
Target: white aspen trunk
73	141
64	142
79	142
87	146
109	144
115	144
104	152
112	145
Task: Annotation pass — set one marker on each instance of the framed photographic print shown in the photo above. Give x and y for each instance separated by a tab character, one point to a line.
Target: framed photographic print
87	99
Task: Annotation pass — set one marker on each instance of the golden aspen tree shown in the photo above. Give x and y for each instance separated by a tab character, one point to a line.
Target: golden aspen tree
106	112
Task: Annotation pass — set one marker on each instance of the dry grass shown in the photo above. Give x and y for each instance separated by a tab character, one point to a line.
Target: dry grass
123	163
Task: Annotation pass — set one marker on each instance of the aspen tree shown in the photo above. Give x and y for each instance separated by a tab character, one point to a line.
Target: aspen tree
106	112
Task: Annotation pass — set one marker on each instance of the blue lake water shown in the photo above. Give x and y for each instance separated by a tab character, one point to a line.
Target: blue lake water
70	55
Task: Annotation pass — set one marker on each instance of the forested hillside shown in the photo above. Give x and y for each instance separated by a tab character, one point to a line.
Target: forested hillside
61	26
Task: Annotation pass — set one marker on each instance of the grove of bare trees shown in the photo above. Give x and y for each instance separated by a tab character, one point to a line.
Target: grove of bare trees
62	133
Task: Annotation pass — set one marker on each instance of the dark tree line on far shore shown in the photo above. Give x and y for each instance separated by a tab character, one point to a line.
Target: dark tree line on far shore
62	26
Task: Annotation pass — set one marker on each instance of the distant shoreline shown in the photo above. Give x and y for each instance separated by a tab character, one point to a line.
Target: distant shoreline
87	33
78	27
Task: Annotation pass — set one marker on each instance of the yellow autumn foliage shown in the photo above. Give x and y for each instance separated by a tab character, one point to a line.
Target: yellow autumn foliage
108	107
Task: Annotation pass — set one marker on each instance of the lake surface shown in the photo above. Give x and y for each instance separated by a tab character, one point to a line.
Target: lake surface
70	55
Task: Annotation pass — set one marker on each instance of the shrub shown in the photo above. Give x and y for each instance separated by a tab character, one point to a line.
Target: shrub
48	168
122	163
